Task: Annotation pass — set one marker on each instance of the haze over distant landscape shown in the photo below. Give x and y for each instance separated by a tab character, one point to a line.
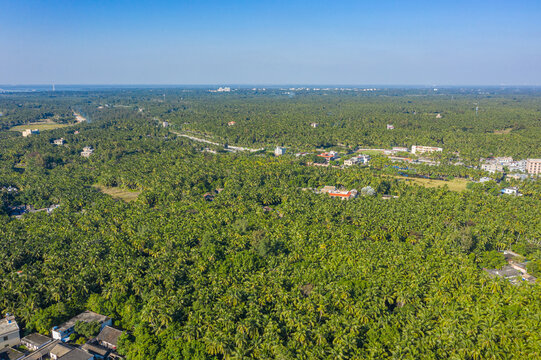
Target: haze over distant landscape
278	42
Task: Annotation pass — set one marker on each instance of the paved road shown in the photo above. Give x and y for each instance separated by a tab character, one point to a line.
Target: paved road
236	148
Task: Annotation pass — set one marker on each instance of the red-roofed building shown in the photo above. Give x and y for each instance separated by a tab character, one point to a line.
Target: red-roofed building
328	155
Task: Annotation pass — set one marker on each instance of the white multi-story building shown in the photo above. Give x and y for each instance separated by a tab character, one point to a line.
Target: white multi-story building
492	168
533	166
505	160
417	149
87	151
9	332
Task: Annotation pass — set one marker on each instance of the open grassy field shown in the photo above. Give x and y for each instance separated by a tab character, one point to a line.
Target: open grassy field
41	126
453	185
119	193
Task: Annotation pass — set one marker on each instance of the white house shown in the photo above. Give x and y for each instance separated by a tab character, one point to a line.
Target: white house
35	341
364	159
279	151
29	132
510	191
87	151
9	332
60	141
352	161
492	168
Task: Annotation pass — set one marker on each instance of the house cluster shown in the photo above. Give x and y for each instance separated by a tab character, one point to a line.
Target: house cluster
359	159
19	210
29	132
10	189
515	271
221	89
342	194
57	346
87	151
515	167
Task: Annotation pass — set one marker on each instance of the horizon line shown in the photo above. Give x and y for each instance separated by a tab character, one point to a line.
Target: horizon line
270	85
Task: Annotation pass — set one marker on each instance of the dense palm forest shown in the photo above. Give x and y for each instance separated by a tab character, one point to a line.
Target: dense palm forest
269	268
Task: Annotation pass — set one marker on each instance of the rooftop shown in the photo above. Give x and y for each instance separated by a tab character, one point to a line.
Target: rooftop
109	335
61	349
95	349
10	354
505	272
87	316
36	339
77	354
8	325
41	353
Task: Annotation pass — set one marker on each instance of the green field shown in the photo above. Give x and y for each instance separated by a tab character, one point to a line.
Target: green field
119	193
453	185
41	126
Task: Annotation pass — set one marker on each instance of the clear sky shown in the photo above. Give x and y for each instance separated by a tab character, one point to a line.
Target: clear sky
451	42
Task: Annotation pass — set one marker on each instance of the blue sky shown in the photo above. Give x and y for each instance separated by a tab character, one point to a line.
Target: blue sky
271	42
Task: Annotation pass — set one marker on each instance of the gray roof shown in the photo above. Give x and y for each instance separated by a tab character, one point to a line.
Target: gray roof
77	354
36	339
505	272
38	354
95	349
8	325
10	354
109	335
61	349
87	316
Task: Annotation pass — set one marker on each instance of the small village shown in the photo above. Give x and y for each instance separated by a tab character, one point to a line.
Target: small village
61	344
515	271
